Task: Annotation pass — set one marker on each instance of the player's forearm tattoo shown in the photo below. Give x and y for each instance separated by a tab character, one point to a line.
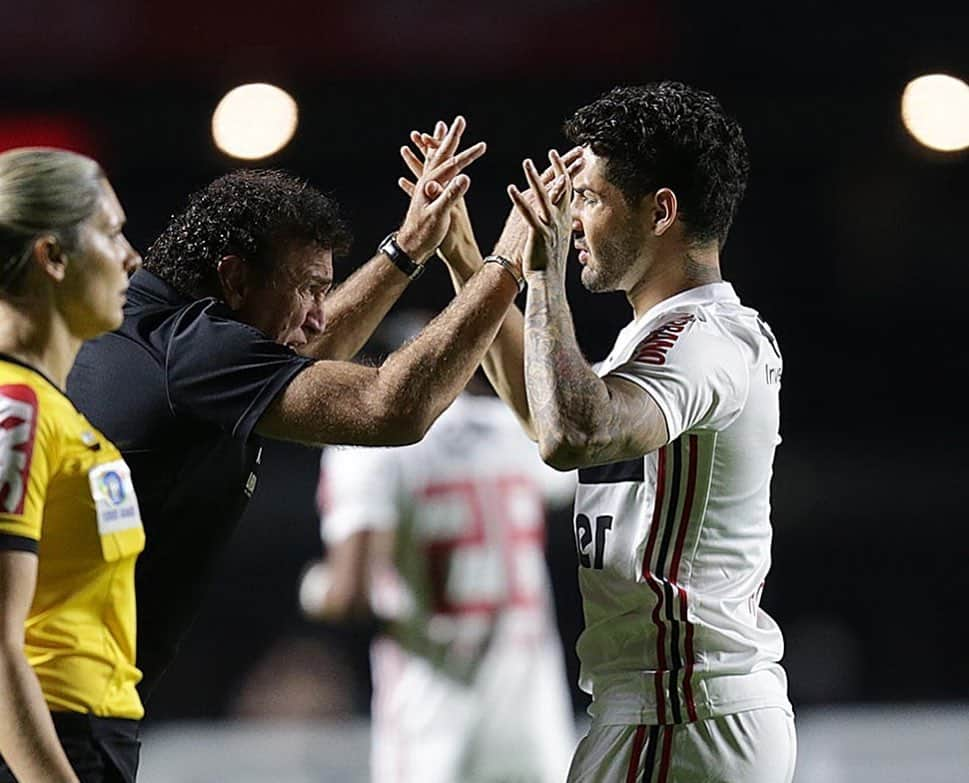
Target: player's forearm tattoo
563	391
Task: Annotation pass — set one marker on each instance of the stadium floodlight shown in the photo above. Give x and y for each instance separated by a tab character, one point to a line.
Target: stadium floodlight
254	121
935	110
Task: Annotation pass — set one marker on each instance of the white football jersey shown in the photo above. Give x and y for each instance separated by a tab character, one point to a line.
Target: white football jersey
471	682
674	547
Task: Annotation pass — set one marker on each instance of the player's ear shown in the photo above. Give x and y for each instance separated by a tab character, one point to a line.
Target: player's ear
664	210
233	274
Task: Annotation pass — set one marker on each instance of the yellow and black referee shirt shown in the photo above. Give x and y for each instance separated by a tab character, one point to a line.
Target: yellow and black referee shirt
66	494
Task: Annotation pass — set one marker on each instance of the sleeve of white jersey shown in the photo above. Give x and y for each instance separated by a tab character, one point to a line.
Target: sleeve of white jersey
700	383
359	490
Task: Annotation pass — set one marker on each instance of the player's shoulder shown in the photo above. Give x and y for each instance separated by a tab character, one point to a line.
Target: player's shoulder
657	338
688	333
707	321
747	329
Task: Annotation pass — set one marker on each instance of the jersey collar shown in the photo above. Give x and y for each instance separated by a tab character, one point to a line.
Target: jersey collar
702	294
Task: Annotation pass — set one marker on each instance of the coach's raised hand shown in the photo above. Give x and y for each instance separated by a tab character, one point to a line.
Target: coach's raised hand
459	248
439	186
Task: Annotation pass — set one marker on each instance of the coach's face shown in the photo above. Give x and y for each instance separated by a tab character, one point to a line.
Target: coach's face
609	233
288	306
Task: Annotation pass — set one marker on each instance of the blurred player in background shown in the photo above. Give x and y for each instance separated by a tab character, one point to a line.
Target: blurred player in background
70	527
444	542
673	433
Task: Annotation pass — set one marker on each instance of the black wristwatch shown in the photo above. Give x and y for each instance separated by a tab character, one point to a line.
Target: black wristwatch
401	260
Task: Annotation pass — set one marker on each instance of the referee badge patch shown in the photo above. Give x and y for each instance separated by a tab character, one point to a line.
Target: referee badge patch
114	497
18	421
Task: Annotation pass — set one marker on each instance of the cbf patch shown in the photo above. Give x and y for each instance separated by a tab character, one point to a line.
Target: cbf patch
114	497
18	422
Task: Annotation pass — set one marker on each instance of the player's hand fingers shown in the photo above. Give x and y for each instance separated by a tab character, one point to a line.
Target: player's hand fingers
557	189
415	164
571	156
562	186
417	139
450	167
557	163
562	178
547	176
407	186
429	142
451	140
539	194
572	160
455	189
525	209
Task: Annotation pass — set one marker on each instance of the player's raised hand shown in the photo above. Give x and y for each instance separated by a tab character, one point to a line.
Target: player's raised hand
438	187
547	214
514	235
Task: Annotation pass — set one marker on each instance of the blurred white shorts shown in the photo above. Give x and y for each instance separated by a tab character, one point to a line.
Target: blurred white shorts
759	746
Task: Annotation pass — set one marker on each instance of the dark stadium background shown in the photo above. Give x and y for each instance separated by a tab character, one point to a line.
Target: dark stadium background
851	242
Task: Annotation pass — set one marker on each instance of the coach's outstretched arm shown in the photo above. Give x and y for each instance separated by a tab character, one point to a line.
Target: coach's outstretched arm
342	402
396	403
354	309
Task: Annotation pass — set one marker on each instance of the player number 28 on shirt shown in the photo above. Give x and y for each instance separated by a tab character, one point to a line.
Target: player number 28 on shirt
591	534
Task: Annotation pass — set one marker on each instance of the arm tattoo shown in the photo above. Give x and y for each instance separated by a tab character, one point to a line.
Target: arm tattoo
564	394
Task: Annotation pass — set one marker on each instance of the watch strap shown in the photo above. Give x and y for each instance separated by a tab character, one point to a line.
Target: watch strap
399	258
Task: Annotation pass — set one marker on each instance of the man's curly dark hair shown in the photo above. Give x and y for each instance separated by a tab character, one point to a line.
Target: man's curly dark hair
667	134
250	213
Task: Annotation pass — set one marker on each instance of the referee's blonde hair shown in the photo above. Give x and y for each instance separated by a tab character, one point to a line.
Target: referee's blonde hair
43	191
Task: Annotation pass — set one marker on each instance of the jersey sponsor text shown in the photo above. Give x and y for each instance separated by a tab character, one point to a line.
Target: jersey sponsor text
657	344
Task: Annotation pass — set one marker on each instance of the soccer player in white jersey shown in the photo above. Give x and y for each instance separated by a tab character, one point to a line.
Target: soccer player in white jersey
445	540
673	435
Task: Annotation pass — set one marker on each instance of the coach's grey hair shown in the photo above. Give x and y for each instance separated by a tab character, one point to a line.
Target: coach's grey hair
42	191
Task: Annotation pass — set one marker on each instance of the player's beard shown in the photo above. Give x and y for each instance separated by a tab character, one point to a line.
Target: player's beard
610	263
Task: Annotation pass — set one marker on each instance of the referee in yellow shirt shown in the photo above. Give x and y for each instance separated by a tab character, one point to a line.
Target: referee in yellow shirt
70	527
